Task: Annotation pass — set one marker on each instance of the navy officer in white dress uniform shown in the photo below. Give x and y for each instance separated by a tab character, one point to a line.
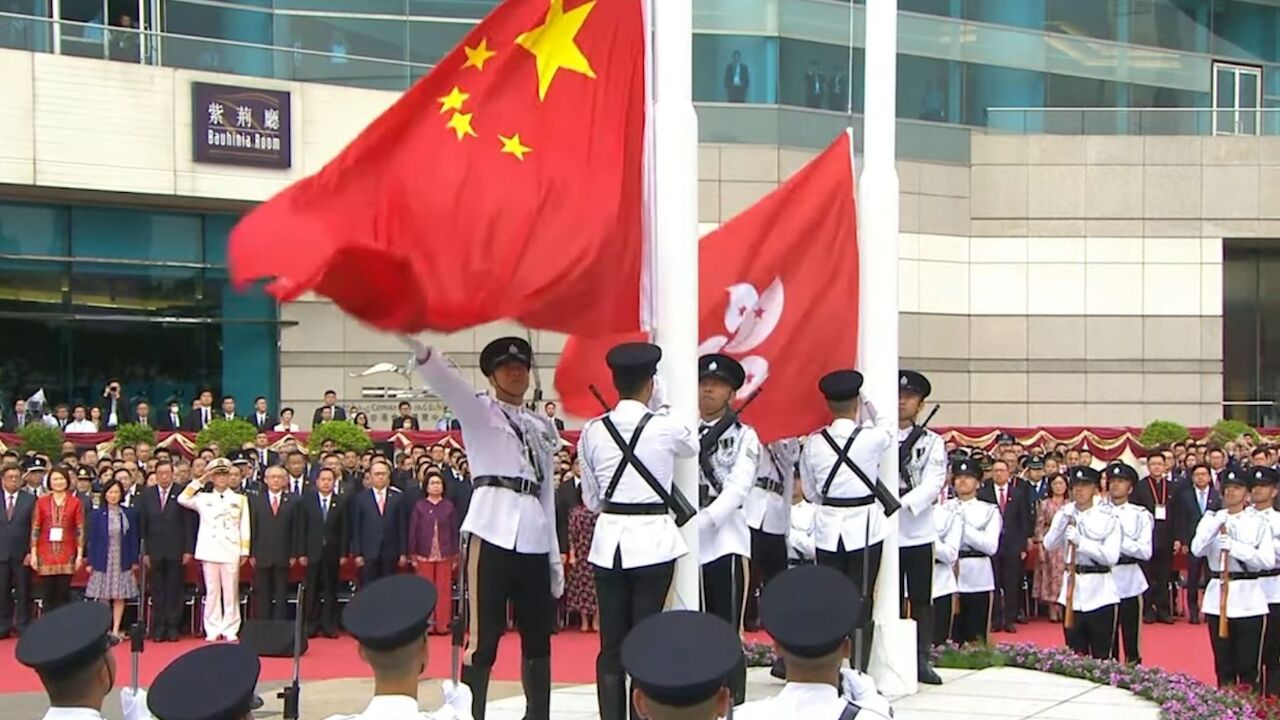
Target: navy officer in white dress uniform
513	554
636	541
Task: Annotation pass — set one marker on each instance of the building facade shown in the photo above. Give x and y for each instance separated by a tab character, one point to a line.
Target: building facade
1087	192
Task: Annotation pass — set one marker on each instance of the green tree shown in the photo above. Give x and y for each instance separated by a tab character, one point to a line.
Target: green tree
228	435
346	435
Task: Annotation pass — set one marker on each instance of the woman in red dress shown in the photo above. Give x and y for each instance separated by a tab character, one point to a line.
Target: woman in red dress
57	538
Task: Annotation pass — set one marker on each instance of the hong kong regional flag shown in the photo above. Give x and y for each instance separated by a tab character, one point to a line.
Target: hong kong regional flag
778	290
505	184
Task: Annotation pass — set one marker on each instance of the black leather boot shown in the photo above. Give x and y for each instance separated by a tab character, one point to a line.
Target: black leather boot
535	678
478	680
925	672
611	695
779	669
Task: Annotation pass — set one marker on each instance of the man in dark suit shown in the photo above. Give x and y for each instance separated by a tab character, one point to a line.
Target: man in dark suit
296	480
1011	500
142	414
405	417
1156	493
550	410
266	457
261	419
331	402
737	78
115	410
202	414
273	544
323	547
379	525
228	409
1191	501
13	422
15	541
168	541
172	418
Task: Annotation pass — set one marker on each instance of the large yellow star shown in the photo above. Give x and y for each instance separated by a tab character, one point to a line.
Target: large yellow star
452	101
478	55
513	146
552	43
460	124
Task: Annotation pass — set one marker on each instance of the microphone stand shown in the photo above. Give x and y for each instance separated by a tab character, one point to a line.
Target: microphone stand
289	695
138	631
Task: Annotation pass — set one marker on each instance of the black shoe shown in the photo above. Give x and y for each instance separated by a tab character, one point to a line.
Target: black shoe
478	680
925	673
5	635
313	633
779	669
1165	618
331	634
1148	618
535	678
1011	628
1195	618
1021	619
257	703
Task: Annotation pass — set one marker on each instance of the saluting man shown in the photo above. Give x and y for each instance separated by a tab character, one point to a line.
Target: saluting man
919	484
1135	525
838	468
1246	538
628	459
724	543
1091	530
514	556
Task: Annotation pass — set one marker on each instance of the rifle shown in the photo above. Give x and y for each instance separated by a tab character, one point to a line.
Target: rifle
909	444
1069	617
138	631
711	439
458	626
1224	586
289	694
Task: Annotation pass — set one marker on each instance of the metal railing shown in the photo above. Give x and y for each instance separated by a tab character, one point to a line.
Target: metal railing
1134	121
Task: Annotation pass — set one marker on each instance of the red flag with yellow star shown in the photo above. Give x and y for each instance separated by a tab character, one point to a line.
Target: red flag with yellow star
505	184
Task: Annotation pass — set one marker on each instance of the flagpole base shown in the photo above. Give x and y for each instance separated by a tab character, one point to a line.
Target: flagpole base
893	658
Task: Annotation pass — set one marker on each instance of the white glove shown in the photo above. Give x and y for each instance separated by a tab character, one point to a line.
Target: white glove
860	689
419	353
1073	535
134	707
457	698
557	579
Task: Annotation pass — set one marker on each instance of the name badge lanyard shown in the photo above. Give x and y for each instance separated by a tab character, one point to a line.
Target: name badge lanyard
1161	497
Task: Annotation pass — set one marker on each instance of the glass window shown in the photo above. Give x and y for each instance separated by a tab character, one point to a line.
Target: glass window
1090	18
431	41
816	75
451	8
1245	30
23	34
1176	24
33	230
928	7
926	90
1015	13
134	235
735	68
986	86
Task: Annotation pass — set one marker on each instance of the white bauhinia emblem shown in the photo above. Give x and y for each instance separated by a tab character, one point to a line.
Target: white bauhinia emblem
749	319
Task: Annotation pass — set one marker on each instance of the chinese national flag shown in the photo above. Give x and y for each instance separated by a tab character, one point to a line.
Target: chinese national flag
778	291
505	184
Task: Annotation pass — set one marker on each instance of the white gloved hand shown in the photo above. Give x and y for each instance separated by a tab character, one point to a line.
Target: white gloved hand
134	707
419	353
458	698
1073	535
860	689
557	579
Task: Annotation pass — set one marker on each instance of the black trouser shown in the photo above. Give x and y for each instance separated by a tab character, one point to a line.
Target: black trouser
942	619
625	597
376	568
1093	632
1271	652
916	563
1007	564
15	596
269	586
1127	630
320	601
1158	569
973	622
850	562
723	580
1197	575
164	580
55	591
768	558
1236	657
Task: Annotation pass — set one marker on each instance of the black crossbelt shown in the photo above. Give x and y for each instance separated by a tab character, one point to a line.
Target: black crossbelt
842	458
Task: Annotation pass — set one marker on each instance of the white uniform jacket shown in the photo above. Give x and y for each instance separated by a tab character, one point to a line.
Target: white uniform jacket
800	536
979	539
401	707
927	468
767	509
1099	546
223	536
512	521
857	527
1135	545
949	526
1271	585
816	701
722	525
641	539
1250	549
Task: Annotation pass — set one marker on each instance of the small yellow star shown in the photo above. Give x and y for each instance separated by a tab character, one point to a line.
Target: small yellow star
453	101
554	44
478	55
513	146
460	124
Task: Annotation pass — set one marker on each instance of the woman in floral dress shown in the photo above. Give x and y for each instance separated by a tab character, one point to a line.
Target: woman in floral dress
113	553
580	588
1051	563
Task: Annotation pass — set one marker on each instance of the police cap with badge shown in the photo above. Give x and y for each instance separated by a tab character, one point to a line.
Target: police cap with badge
67	640
633	360
504	350
840	385
966	466
723	368
1234	476
681	658
810	610
215	682
1034	462
1263	477
1122	471
391	612
910	381
1084	475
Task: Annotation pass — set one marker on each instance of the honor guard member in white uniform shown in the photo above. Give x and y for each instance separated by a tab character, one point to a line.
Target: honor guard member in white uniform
389	619
680	663
624	454
768	511
849	528
949	524
1246	538
724	544
1263	495
214	682
1093	534
513	555
70	650
222	546
804	610
981	525
922	456
1135	525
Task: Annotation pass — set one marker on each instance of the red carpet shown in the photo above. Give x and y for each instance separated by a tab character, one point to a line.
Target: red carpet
1181	647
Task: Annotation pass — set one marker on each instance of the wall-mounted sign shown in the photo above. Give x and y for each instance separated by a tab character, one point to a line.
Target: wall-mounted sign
240	126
